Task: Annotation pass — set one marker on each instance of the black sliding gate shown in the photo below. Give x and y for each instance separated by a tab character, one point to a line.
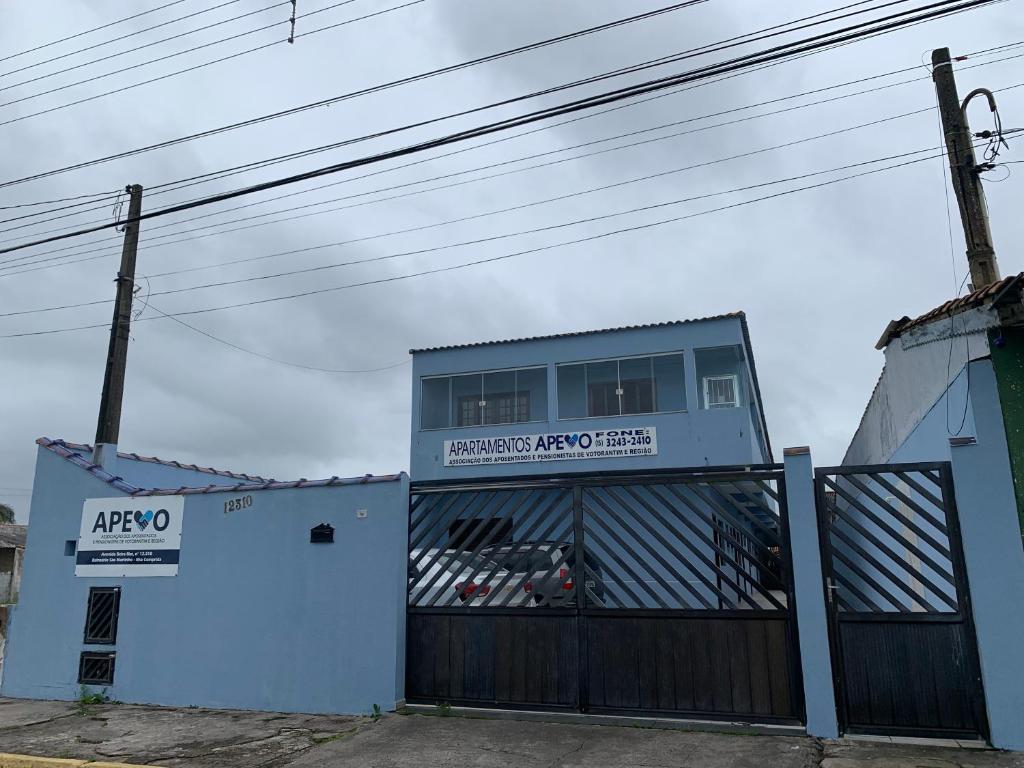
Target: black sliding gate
904	656
662	594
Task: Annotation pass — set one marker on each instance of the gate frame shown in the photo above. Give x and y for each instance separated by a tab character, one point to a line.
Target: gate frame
577	481
962	584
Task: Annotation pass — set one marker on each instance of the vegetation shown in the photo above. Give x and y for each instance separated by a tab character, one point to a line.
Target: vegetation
6	514
88	698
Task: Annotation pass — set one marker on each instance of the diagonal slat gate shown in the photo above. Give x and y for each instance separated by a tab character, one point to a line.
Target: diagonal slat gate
666	593
903	644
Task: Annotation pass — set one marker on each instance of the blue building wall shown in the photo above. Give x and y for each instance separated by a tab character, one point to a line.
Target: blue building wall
688	438
257	617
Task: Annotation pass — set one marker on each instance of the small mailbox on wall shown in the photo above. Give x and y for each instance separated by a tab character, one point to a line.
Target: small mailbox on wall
321	534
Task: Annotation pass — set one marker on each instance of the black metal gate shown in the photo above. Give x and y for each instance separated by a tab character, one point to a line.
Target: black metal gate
663	593
903	646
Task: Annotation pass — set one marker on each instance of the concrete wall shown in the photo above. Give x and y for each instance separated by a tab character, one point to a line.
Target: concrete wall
918	366
690	438
10	574
257	617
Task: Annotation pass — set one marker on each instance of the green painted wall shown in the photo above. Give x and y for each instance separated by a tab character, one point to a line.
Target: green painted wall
1008	362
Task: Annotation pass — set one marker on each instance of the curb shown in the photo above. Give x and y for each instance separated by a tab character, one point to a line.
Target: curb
628	721
32	761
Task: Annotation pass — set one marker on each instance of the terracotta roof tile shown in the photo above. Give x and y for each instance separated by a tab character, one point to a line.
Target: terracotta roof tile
993	293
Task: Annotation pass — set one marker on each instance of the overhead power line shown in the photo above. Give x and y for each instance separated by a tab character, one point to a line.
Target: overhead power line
596	113
433	158
126	51
208	63
503	163
332	100
778	52
765	33
523	206
8	265
89	31
89	198
277	360
173	55
525	252
86	200
118	39
248	167
65	259
20	262
661	61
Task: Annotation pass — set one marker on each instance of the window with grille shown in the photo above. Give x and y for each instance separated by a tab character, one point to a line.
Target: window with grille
101	615
96	668
722	377
469	411
721	391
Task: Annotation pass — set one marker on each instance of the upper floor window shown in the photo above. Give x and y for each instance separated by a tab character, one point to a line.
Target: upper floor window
721	377
474	399
628	385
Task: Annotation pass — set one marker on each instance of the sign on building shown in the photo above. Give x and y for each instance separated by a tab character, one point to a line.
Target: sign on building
130	537
553	446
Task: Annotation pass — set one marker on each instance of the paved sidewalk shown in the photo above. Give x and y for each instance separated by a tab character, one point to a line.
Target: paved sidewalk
203	738
165	736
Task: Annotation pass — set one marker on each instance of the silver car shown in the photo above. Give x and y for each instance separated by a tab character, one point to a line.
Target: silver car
441	578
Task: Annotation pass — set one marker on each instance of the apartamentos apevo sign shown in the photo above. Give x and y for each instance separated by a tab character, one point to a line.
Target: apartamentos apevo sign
552	446
130	536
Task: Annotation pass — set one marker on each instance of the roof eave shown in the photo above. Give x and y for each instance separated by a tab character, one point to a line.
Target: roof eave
739	314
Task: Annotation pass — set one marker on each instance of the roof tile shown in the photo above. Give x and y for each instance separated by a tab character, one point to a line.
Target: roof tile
992	293
71	452
571	334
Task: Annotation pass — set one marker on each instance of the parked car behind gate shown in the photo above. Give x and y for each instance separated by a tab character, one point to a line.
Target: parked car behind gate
547	584
459	578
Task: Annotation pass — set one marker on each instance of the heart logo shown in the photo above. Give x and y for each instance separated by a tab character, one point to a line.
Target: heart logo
143	520
572	440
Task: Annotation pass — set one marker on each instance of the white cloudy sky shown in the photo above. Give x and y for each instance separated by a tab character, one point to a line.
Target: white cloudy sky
819	272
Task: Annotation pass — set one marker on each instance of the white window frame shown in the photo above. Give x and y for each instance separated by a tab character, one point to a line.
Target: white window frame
735	390
482	402
619	392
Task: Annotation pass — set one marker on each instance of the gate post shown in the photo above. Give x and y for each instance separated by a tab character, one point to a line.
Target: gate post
990	531
811	619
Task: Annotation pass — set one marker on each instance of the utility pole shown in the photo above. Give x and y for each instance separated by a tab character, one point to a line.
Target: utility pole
981	255
108	424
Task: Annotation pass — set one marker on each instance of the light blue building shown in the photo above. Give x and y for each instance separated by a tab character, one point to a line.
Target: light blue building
594	523
285	596
668	395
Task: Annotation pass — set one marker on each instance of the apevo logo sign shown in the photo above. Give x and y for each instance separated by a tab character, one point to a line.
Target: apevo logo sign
120	537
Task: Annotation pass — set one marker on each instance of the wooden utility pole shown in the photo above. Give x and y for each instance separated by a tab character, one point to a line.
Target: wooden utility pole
108	424
981	255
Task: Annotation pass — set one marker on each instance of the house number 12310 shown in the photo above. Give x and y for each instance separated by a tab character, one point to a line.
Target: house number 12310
241	502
